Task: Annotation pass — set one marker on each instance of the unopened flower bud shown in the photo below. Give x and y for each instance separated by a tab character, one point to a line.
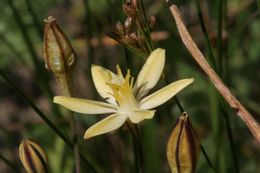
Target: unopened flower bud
58	53
132	40
130	8
183	147
120	29
152	22
33	157
128	25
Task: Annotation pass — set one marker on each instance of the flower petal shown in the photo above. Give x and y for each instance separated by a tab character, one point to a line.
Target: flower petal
106	125
164	94
84	106
140	115
150	73
101	76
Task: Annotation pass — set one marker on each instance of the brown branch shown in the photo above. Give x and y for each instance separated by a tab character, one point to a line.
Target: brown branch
240	110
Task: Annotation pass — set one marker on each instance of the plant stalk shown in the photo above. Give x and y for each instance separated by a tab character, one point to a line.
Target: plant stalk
239	109
45	119
138	152
10	164
67	91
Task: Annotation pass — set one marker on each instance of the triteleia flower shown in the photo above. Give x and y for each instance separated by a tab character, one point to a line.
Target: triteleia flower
126	100
33	157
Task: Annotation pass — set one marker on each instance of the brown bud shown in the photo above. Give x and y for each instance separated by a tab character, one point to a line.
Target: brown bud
120	28
183	147
132	40
128	25
33	157
152	22
59	56
130	8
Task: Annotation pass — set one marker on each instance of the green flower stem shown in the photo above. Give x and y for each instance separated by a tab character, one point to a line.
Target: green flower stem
182	110
140	27
138	152
180	107
148	33
42	78
36	22
258	4
67	91
45	119
204	29
10	164
73	126
134	130
230	137
219	36
221	16
25	34
11	47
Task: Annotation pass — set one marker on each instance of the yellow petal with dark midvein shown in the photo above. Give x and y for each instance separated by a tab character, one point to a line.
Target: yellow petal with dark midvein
183	147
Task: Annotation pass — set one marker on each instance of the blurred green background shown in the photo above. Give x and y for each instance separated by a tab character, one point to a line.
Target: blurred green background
235	45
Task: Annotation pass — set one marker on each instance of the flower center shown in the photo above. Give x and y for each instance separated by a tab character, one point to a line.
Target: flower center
122	89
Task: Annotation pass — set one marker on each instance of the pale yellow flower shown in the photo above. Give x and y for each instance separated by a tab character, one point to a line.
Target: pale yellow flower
125	99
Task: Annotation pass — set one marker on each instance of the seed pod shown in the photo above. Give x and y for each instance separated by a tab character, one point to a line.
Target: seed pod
33	157
58	53
183	147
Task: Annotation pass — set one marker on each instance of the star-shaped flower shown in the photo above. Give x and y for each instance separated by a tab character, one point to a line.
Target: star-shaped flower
125	100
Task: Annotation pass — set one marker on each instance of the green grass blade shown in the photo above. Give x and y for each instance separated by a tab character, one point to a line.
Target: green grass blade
10	164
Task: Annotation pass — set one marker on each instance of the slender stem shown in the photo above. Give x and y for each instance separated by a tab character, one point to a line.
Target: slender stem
212	62
88	29
10	164
140	28
148	40
239	109
219	35
25	34
42	77
175	97
143	10
73	126
138	152
206	157
45	118
204	29
67	91
10	46
231	139
36	22
258	4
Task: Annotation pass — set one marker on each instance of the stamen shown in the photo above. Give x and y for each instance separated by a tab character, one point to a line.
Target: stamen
119	72
122	89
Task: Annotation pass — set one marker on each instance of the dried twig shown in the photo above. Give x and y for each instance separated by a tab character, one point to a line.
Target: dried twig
240	110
